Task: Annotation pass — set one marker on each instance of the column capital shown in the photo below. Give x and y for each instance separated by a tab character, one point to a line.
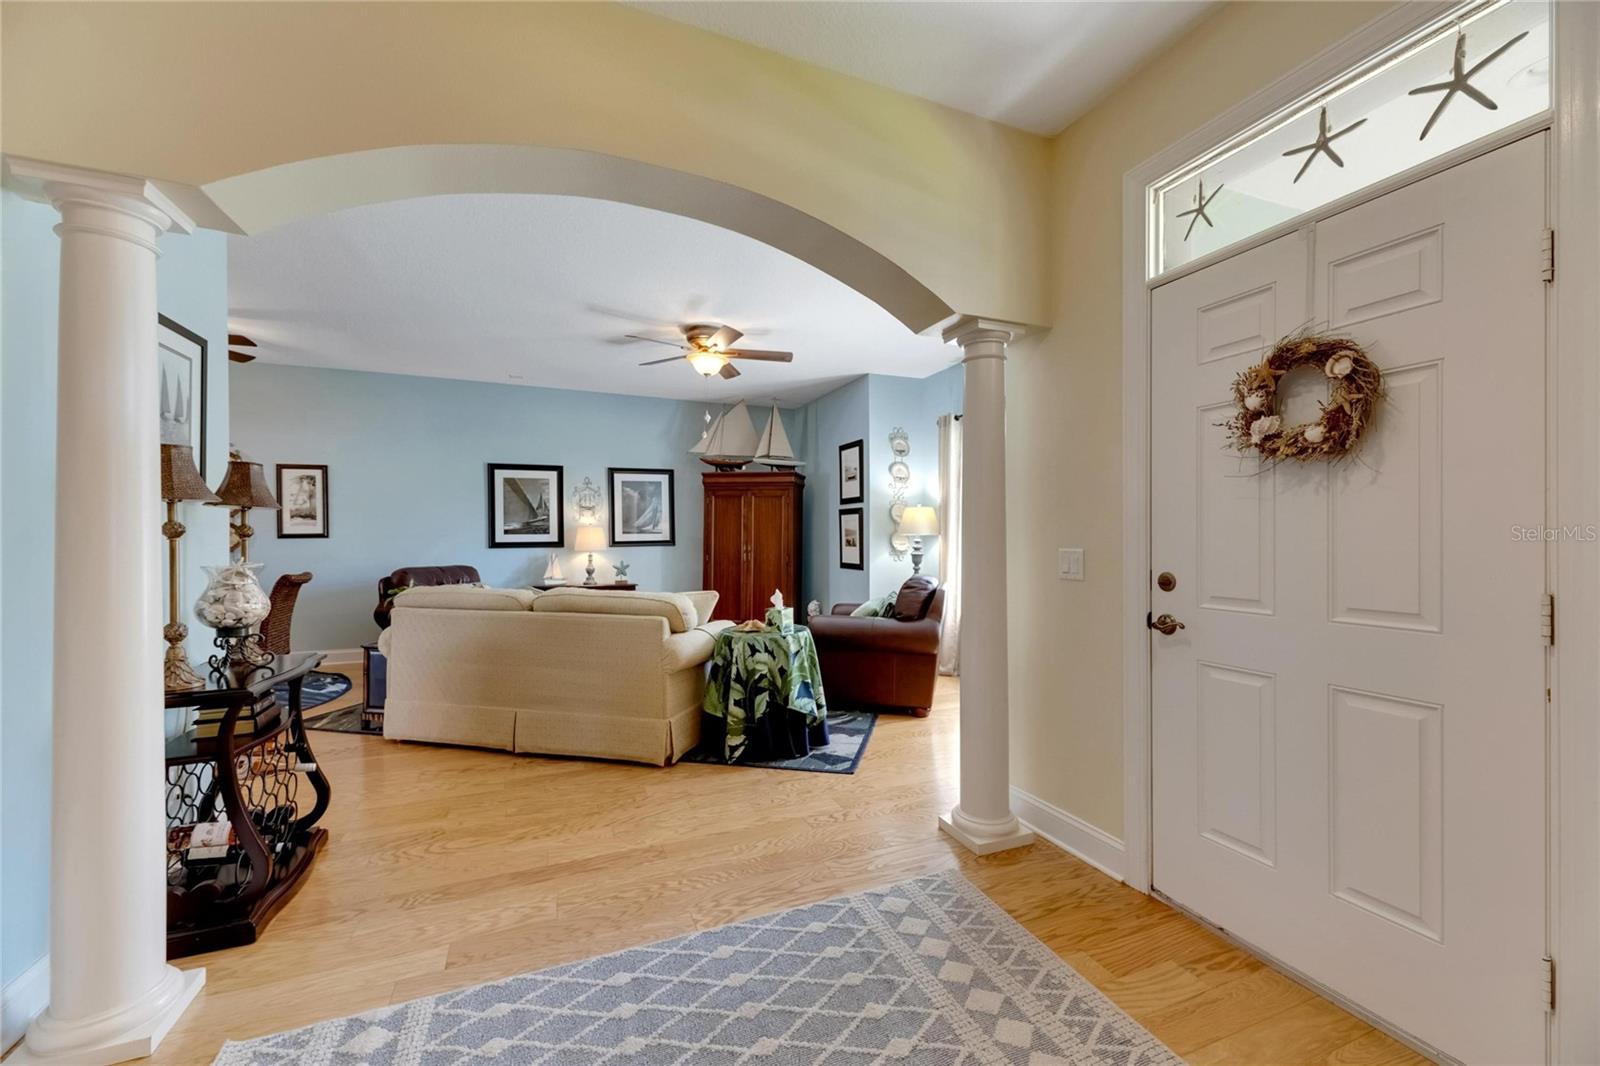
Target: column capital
982	338
66	187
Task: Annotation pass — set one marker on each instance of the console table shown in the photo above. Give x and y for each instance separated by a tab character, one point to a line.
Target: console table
255	782
601	586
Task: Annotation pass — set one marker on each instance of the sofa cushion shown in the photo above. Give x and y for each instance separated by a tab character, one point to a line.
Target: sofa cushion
877	607
705	604
914	598
467	598
676	607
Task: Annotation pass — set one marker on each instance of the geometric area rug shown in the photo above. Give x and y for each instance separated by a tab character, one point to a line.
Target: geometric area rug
928	972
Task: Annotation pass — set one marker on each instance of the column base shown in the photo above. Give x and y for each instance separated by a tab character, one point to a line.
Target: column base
984	837
131	1033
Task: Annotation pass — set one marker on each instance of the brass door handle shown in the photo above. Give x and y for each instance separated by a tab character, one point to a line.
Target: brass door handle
1165	624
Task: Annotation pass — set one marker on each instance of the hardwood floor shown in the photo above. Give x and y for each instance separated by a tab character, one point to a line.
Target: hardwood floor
449	866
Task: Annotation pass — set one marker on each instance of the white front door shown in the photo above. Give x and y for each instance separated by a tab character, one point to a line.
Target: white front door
1349	734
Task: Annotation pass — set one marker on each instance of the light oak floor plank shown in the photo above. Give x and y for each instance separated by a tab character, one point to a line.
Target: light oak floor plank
447	867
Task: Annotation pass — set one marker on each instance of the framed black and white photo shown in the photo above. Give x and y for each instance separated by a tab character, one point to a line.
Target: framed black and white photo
852	553
643	506
181	370
302	500
850	457
525	505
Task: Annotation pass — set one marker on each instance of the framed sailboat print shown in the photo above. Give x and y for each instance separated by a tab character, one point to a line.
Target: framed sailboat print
181	369
643	506
525	505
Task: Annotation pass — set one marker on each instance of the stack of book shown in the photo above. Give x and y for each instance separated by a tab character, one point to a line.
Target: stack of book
258	719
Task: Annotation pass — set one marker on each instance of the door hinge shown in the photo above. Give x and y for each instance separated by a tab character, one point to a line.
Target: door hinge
1547	256
1549	984
1547	619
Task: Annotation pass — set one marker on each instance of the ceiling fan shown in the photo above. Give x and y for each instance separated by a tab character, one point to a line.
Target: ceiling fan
239	340
708	349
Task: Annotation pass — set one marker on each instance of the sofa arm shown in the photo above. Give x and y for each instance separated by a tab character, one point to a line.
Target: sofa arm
876	634
683	650
844	608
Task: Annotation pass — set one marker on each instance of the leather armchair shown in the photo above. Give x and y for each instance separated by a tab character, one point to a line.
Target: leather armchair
411	576
880	662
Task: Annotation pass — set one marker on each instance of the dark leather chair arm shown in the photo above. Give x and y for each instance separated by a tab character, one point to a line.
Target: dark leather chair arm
877	634
844	608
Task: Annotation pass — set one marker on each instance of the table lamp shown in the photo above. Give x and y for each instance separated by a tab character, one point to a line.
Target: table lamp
244	487
918	522
590	539
180	482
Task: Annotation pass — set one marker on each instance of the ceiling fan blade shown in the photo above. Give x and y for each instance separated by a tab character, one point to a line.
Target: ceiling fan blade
239	340
658	362
240	357
653	340
757	353
729	371
723	337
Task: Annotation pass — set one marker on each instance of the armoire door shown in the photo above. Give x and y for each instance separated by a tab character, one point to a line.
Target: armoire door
1349	736
772	548
725	551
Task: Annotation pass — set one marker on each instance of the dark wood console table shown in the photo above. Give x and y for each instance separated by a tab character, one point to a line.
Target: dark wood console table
253	780
599	586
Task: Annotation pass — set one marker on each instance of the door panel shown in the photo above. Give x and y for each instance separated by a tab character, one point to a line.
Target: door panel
1348	737
772	549
724	547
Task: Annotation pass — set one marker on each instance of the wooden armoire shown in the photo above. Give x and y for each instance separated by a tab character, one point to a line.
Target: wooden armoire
752	540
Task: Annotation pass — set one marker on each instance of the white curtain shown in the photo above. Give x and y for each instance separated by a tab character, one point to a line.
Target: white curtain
950	541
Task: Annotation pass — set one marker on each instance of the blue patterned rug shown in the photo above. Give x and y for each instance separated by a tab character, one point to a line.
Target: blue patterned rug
928	972
319	687
848	733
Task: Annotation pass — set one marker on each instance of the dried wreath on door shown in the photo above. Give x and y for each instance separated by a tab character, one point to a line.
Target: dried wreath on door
1355	387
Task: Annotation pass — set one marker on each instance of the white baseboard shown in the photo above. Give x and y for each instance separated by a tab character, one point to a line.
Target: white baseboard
342	657
22	1000
1070	833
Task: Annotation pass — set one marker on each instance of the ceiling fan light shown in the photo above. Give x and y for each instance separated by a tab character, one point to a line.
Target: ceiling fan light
708	364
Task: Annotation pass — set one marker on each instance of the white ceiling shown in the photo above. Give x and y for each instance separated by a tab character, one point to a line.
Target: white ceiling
1036	66
539	290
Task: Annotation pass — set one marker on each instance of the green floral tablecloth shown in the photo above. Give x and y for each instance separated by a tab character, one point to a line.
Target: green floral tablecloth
753	673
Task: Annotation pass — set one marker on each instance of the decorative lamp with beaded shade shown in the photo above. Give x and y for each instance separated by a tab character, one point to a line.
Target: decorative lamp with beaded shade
244	487
180	482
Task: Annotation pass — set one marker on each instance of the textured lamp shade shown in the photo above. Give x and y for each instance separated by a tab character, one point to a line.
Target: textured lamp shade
590	539
245	486
180	480
920	521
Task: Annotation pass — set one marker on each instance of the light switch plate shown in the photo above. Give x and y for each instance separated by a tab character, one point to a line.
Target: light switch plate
1069	564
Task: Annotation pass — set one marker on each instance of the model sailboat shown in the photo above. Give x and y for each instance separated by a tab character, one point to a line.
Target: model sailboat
731	442
774	449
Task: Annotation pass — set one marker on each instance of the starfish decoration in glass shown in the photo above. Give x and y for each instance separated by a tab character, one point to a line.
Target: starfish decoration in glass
1323	145
1461	80
1198	211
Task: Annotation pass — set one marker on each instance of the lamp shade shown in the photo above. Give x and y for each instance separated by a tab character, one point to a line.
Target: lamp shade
180	480
590	539
245	486
920	521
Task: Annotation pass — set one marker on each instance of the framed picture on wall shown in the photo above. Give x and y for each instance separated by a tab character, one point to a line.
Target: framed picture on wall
181	371
643	506
852	551
525	505
302	500
850	463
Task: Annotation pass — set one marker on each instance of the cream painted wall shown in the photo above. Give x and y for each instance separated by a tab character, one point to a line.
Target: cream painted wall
1064	455
143	89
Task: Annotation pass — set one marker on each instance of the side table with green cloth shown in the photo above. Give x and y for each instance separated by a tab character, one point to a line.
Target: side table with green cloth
754	674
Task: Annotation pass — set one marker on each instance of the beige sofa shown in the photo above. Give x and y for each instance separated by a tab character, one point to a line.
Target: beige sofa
611	675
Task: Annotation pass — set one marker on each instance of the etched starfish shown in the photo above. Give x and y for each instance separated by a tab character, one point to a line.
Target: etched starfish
1461	80
1198	211
1323	144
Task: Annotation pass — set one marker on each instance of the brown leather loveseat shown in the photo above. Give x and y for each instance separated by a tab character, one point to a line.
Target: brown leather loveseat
414	576
883	662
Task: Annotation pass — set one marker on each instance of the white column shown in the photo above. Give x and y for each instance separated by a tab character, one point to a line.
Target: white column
112	994
982	819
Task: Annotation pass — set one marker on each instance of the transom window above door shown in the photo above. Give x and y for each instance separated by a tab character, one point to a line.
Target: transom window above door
1478	69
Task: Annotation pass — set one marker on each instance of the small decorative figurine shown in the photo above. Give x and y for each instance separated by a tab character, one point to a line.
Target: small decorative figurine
621	569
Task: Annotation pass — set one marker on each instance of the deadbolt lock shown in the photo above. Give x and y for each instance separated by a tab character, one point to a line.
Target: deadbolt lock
1166	582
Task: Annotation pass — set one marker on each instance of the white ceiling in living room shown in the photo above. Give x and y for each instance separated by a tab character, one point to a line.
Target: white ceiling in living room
540	290
1036	66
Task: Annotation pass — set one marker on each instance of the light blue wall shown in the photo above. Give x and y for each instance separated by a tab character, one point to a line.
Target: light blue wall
191	288
868	408
407	475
